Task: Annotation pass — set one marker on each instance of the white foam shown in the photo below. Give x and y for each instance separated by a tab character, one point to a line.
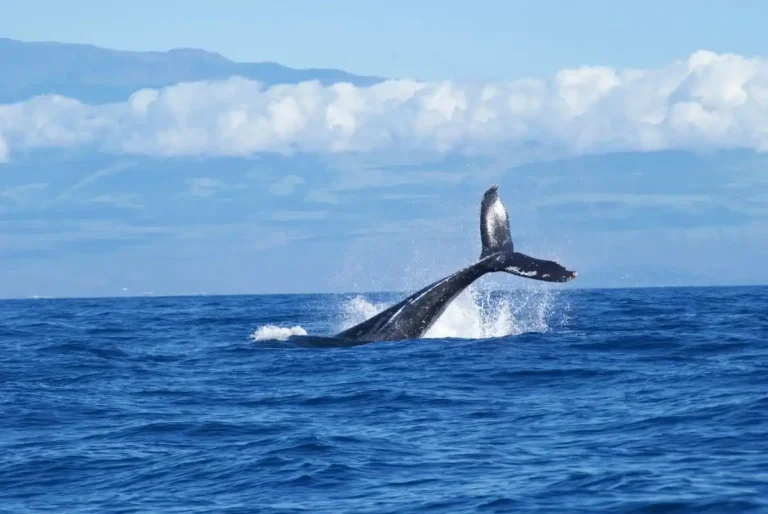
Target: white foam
275	333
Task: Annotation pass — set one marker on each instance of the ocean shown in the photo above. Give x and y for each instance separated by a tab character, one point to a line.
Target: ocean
533	400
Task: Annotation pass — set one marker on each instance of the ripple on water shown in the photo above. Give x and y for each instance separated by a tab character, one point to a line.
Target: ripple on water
590	401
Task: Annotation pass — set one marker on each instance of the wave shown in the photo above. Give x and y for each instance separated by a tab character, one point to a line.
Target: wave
276	333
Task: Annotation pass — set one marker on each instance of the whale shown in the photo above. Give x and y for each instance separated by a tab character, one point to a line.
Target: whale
412	317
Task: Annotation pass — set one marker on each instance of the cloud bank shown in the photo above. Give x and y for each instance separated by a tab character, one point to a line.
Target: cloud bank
706	101
3	148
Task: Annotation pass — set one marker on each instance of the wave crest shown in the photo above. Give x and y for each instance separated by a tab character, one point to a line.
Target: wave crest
275	333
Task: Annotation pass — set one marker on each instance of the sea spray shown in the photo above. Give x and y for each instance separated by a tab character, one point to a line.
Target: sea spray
476	313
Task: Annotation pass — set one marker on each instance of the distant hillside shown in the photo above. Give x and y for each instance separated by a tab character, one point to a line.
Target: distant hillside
97	75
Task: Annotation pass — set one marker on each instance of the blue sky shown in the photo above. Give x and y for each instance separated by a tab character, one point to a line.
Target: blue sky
430	39
629	143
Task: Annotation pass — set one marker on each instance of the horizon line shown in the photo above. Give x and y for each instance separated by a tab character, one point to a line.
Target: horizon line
220	295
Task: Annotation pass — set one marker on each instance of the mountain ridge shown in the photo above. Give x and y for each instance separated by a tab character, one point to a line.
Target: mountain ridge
95	74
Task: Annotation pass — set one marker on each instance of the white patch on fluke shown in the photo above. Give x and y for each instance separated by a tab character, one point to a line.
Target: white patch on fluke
499	212
520	272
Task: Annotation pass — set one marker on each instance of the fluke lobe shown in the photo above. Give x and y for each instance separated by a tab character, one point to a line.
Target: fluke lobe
412	317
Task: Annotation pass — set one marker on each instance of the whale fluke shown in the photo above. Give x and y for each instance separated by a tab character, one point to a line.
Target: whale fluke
496	238
412	317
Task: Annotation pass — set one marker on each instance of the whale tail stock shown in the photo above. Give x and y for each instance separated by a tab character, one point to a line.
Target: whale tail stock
499	251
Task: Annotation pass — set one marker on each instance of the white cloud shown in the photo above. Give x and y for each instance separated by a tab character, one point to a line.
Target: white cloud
123	201
3	149
348	180
626	199
299	215
204	186
20	192
322	196
706	101
286	185
113	169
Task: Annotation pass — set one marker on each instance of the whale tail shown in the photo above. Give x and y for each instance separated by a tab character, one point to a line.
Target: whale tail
499	250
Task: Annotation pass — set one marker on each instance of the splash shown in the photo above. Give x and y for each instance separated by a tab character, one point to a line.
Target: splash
358	309
474	314
275	333
478	314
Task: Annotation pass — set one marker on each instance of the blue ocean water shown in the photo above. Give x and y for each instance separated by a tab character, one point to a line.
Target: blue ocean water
644	400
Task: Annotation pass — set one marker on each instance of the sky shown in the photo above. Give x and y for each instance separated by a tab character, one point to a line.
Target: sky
427	40
639	162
